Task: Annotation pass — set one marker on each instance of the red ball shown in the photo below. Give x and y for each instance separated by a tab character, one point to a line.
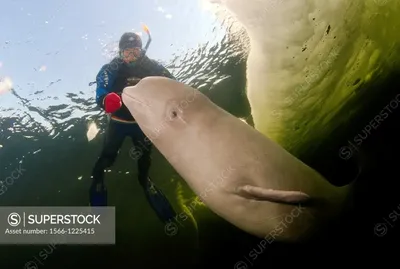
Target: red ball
112	102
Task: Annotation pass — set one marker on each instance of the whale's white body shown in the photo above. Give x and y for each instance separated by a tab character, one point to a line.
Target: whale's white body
308	58
229	164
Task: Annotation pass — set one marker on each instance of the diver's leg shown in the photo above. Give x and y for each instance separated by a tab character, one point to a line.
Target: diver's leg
113	140
144	162
154	195
143	147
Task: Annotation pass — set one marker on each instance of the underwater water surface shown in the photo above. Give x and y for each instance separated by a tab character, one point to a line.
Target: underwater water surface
52	133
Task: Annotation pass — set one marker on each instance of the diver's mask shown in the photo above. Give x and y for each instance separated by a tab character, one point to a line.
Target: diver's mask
131	55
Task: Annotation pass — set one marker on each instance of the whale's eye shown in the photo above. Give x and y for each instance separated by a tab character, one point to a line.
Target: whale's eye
172	110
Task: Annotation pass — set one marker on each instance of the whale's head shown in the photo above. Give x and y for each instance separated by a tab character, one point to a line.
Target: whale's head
163	107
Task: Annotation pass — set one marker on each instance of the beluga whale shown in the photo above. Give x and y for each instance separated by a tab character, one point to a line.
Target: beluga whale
236	171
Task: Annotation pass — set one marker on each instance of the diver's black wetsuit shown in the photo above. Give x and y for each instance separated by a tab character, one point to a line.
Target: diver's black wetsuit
113	77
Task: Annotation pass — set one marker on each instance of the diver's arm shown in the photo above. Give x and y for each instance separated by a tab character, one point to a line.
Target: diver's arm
105	79
165	73
160	70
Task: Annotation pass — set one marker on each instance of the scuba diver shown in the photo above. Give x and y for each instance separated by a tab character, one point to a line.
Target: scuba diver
126	70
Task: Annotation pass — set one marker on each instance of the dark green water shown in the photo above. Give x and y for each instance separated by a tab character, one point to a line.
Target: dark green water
53	162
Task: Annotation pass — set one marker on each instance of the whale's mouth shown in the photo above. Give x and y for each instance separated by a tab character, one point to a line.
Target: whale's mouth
136	100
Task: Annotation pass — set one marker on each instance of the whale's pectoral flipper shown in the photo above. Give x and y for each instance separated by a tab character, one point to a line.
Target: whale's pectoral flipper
277	196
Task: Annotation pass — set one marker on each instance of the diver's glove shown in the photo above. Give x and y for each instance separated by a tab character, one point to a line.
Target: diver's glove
112	102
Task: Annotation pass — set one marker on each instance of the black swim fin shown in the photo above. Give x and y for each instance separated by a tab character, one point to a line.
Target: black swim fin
159	202
98	195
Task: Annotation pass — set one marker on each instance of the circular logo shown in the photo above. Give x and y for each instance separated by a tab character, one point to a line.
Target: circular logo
380	229
14	219
241	265
345	153
31	265
171	229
